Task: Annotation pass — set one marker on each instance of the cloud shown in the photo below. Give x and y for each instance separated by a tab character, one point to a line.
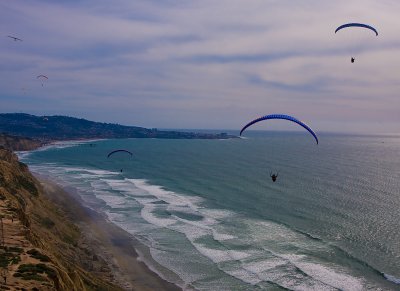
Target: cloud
172	63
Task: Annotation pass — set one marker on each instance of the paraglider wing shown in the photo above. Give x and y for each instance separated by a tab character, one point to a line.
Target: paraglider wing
14	38
116	151
42	78
281	116
357	25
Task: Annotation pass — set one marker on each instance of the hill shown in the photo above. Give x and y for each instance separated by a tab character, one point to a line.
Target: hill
48	128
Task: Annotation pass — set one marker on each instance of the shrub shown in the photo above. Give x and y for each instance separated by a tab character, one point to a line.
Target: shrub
8	258
37	255
28	185
31	271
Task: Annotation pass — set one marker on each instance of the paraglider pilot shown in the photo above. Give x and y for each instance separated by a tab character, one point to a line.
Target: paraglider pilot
273	176
352	60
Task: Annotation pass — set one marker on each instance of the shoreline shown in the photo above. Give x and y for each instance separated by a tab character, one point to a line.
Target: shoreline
113	244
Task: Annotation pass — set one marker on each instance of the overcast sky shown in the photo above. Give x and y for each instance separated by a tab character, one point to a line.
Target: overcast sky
204	64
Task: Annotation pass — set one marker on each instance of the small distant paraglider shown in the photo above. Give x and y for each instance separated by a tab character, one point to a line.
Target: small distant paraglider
42	78
119	151
347	25
14	38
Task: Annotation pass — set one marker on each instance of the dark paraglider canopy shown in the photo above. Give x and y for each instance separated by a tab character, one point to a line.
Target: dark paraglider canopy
357	25
281	116
117	151
42	78
14	38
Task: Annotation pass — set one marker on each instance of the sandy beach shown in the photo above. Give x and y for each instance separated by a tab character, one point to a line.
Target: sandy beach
110	242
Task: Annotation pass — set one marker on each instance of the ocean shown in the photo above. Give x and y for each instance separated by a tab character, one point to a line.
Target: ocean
208	216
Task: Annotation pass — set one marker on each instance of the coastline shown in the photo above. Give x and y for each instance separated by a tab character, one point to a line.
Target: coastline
107	240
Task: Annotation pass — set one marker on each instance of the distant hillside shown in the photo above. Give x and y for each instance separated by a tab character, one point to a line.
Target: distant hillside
47	128
17	143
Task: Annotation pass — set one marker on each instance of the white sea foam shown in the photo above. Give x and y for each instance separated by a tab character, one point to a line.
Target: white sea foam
329	276
392	278
244	275
93	172
141	258
217	256
265	265
218	214
148	215
112	200
175	264
168	196
222	236
192	232
101	172
55	145
22	154
284	274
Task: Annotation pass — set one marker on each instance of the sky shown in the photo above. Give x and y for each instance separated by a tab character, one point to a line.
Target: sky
204	64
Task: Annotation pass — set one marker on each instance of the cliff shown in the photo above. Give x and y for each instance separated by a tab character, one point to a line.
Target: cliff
17	143
39	248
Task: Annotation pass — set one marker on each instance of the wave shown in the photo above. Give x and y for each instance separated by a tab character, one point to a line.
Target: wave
56	145
211	240
344	253
185	236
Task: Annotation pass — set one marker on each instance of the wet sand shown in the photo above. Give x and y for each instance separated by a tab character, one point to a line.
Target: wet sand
110	242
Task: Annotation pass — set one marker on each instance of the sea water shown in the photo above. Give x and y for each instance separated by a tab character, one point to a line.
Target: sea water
208	216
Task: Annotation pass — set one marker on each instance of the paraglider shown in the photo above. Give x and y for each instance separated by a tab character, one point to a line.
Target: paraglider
281	116
117	151
42	78
366	26
14	38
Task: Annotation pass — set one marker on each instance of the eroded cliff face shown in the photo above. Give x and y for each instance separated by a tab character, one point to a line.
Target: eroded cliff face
16	143
39	247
